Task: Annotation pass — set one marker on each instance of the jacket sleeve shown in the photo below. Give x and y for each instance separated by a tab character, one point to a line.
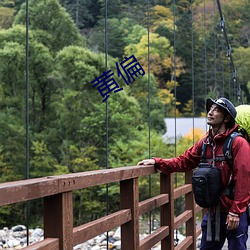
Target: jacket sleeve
185	162
241	175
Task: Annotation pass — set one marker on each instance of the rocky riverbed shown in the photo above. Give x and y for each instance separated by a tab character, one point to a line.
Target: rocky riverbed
16	238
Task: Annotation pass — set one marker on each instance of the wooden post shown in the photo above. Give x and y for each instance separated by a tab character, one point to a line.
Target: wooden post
58	219
129	198
167	210
190	205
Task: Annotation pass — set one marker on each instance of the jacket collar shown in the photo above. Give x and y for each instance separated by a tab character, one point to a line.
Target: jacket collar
221	136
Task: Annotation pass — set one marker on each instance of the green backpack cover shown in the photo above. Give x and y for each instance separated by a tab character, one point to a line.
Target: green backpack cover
243	119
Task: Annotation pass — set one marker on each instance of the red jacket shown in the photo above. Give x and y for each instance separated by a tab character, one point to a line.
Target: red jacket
241	167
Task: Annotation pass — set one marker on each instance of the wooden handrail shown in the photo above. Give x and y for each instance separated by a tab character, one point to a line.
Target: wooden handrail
56	191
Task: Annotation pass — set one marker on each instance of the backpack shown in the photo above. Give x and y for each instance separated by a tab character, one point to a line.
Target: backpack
243	120
206	185
206	179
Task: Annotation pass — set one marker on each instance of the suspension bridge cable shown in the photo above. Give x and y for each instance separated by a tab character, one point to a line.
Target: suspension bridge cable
174	71
215	52
27	207
205	49
221	68
175	95
192	73
149	120
77	13
106	117
229	52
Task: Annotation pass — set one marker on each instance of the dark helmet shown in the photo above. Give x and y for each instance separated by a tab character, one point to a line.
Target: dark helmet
223	103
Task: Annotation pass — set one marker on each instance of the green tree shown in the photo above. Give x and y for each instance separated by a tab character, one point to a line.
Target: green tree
117	32
6	17
84	13
53	25
242	64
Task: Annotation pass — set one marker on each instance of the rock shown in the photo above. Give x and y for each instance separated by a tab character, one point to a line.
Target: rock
117	234
18	228
16	238
81	246
111	239
95	248
117	244
91	242
38	232
100	238
3	233
111	233
13	243
103	243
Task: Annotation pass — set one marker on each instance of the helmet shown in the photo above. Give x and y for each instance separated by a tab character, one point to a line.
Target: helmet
223	103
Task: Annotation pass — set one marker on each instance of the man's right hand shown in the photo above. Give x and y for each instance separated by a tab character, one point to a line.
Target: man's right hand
146	162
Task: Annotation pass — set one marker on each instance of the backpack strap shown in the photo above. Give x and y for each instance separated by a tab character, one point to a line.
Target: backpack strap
227	151
227	148
203	152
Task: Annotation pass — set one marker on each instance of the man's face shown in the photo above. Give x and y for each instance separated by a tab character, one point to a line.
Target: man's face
215	116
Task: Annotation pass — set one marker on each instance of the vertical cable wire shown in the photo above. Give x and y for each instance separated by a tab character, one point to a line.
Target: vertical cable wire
27	208
192	77
205	50
149	121
215	51
222	69
107	124
175	95
236	84
77	13
174	73
229	84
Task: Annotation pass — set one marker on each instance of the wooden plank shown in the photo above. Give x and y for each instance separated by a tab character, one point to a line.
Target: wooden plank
178	192
129	195
182	218
185	244
24	190
154	238
99	177
198	209
167	210
90	230
46	244
152	203
58	219
198	231
190	205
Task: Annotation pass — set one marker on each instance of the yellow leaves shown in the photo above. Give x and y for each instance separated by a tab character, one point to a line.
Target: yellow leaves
171	85
195	134
160	53
203	114
179	66
6	17
188	107
160	12
161	16
166	96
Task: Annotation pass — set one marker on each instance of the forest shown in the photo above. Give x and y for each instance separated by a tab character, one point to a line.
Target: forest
47	66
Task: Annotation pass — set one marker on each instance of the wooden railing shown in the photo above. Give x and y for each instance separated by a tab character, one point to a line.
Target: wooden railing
59	232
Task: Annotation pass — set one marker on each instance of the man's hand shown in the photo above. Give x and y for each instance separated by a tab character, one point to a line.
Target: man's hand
146	162
232	221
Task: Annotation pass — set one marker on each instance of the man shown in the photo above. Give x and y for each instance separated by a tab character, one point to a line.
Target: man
221	115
